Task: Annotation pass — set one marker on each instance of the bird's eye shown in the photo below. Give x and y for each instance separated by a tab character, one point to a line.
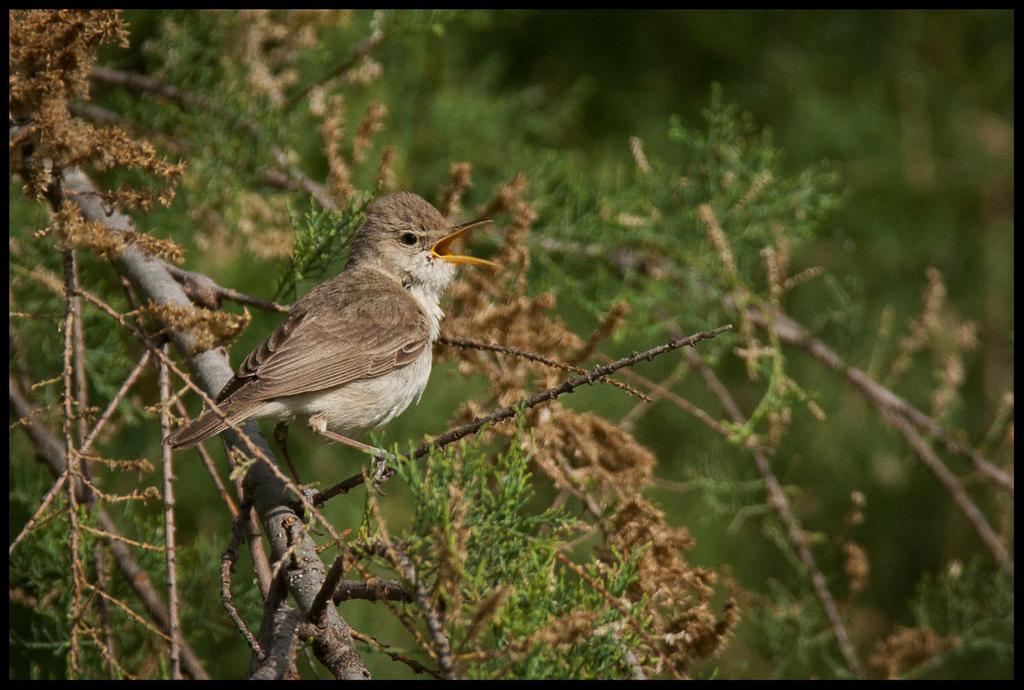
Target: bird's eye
409	239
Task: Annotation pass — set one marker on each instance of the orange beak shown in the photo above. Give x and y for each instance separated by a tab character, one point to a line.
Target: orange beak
442	248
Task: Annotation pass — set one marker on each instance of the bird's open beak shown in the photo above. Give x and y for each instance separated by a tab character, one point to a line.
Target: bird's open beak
442	248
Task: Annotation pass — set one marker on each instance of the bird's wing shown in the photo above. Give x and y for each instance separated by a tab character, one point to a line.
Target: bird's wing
333	336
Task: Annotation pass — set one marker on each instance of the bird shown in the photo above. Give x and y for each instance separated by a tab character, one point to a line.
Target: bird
356	350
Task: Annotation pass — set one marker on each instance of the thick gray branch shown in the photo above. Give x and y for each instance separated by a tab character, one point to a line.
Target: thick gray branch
267	492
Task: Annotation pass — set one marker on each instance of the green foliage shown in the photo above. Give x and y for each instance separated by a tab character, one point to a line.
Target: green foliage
486	552
972	605
39	570
322	240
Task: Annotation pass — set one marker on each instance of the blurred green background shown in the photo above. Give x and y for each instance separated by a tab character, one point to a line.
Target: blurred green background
914	112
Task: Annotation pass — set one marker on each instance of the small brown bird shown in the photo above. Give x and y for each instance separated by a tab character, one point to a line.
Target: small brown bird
355	351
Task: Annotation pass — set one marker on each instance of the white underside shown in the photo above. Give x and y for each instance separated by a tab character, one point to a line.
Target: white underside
359	405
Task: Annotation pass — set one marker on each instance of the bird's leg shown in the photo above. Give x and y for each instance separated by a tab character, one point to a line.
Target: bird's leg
380	456
281	438
319	426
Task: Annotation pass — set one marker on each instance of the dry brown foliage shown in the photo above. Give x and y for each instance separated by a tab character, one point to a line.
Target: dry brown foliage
937	329
51	54
585	455
907	648
211	328
72	228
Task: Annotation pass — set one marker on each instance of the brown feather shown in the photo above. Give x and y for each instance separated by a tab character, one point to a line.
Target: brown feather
360	324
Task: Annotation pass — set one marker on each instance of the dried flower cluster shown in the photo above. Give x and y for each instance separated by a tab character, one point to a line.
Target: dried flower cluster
69	224
211	328
269	43
949	339
908	648
51	55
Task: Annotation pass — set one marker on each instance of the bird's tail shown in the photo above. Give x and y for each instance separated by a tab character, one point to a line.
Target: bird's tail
206	425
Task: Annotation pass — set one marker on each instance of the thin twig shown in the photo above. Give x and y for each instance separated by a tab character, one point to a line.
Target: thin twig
81	380
360	52
105	116
242	434
623	609
291	177
791	332
227	566
261	564
115	401
211	467
77	575
169	529
51	451
47	500
109	645
115	536
534	357
609	322
403	564
956	490
114	667
684	404
130	613
414	665
628	420
345	663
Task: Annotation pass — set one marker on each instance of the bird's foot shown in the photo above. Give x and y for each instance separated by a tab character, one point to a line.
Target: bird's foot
381	472
281	438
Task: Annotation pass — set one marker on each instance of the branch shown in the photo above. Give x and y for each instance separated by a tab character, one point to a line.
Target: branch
622	607
289	176
288	625
202	290
791	332
778	501
456	341
361	51
442	651
510	411
115	401
227	566
169	526
33	521
324	596
371	590
956	490
78	577
416	666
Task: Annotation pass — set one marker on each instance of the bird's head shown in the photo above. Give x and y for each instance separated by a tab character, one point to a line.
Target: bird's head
409	238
